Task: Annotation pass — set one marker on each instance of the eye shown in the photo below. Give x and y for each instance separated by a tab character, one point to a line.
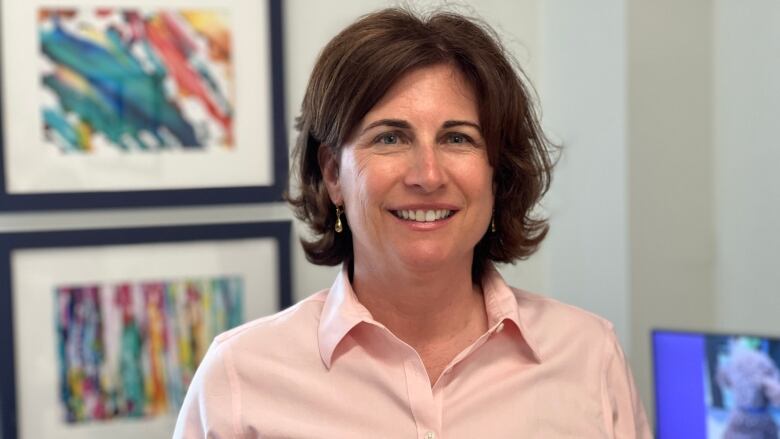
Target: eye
388	139
458	138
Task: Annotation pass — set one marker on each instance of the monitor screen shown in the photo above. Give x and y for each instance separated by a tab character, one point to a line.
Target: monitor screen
716	385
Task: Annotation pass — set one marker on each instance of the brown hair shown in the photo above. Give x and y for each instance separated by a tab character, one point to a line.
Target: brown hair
356	69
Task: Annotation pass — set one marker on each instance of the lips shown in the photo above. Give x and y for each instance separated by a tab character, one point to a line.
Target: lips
423	215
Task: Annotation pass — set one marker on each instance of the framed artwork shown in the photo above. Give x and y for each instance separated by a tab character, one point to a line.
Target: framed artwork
101	330
127	103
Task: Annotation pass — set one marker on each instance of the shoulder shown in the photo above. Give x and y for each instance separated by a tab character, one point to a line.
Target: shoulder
547	311
580	347
283	330
555	328
227	375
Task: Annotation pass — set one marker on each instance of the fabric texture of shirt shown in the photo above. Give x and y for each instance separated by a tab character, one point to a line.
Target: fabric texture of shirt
324	368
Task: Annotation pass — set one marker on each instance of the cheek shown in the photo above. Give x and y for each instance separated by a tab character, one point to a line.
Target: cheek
478	176
361	180
349	176
374	178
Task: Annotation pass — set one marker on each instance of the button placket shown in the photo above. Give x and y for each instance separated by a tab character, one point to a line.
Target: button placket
421	398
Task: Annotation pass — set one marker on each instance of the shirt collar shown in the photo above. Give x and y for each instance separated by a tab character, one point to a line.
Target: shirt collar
501	306
342	311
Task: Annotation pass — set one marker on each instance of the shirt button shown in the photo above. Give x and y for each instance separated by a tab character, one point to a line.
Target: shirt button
430	435
500	327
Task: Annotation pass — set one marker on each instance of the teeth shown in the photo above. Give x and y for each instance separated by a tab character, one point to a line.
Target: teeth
423	215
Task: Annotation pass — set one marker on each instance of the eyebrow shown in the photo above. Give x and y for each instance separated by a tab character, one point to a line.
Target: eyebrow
455	123
400	123
396	123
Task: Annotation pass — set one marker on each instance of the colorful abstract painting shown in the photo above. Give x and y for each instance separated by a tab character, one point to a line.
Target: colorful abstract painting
130	349
136	80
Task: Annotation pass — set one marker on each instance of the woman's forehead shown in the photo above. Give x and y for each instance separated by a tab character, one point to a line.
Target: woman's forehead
438	92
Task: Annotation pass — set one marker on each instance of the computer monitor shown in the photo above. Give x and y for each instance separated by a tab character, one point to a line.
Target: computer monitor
716	385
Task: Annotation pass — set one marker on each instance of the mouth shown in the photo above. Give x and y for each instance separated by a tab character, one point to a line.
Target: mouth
423	215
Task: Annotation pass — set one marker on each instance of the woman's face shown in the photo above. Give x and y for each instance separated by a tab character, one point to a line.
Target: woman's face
414	177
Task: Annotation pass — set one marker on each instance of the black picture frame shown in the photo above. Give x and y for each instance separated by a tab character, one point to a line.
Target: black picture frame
280	231
171	197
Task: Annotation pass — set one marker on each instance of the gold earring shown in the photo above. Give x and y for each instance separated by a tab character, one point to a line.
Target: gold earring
339	228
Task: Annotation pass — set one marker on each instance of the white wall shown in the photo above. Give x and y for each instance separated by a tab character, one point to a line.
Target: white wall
670	172
583	89
704	191
747	172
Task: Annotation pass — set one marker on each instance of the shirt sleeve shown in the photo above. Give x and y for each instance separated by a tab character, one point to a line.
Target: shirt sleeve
211	406
624	413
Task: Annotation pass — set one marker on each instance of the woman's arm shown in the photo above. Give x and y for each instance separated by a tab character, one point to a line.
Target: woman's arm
211	407
623	412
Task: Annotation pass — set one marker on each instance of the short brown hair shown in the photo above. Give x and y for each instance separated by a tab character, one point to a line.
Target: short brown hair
357	68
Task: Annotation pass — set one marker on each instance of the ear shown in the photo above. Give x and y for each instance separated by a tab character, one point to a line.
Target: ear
329	166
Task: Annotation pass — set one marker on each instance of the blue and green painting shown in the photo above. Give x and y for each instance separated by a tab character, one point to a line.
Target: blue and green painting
136	80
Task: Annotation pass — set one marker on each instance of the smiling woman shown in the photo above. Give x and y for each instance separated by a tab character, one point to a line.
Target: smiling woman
419	150
355	72
420	159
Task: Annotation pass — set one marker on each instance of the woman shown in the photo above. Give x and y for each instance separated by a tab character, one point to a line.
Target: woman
420	158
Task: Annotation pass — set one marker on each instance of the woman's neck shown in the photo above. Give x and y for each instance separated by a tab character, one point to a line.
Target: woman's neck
425	309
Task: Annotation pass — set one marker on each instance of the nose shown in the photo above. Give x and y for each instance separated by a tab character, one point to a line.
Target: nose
426	171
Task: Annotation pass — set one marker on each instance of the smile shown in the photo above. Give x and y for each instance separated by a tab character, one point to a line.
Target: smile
423	216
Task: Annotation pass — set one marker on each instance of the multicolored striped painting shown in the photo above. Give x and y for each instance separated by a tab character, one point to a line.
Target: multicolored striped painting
137	80
130	349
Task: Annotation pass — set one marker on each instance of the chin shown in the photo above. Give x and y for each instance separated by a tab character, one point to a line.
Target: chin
427	257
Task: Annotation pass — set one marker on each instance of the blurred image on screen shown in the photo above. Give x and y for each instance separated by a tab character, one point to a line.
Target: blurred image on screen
716	386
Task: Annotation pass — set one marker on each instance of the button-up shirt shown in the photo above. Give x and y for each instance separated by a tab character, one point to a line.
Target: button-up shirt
325	368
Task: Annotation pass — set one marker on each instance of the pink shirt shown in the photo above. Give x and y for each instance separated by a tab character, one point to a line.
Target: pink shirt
325	369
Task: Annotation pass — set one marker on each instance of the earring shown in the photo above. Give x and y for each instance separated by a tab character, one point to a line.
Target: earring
339	228
493	222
